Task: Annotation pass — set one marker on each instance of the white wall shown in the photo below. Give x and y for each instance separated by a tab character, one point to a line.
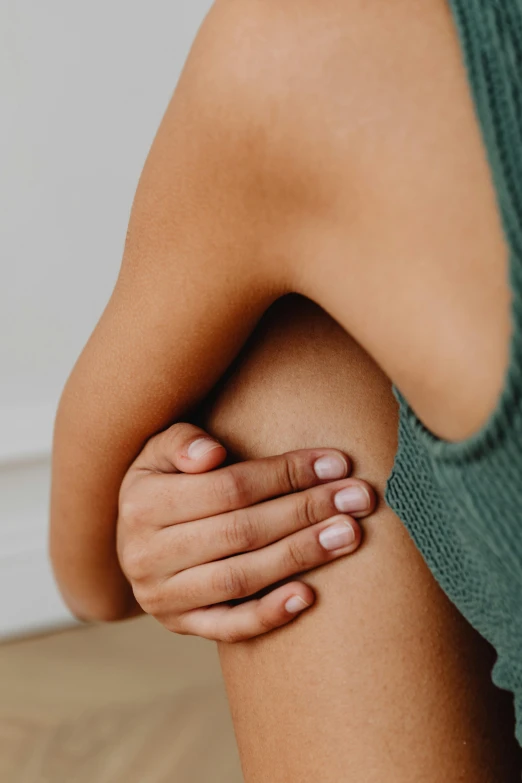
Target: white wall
83	88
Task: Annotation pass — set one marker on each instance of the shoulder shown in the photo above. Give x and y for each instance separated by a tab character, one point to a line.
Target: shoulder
283	110
315	58
262	111
302	87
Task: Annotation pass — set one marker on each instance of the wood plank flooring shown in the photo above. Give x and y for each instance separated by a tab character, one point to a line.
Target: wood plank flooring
127	703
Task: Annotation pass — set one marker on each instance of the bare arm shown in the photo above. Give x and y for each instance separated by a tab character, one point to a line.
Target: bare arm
191	288
294	157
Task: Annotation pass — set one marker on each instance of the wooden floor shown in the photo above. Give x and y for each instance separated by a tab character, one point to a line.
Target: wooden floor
128	703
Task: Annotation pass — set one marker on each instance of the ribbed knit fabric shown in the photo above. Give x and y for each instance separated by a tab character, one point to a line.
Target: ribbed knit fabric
462	503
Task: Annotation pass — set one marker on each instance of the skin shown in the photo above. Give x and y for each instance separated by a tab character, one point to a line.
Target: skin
340	177
407	682
344	199
382	679
192	545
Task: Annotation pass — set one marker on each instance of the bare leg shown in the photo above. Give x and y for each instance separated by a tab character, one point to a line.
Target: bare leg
383	679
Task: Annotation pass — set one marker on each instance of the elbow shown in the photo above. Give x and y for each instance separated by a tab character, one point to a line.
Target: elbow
94	599
93	588
102	609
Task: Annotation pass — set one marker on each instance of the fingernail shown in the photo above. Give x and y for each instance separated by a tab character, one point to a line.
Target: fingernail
331	467
337	536
352	499
198	448
296	604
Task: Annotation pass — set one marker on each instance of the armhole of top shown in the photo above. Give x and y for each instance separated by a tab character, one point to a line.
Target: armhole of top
490	35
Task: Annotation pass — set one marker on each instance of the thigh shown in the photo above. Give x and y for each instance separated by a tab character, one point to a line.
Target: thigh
382	679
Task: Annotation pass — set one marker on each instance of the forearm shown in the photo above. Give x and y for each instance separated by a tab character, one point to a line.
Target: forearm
191	289
382	678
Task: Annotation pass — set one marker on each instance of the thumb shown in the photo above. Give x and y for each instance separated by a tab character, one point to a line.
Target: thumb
183	448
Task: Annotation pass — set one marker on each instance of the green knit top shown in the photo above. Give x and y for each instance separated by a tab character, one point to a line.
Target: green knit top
462	503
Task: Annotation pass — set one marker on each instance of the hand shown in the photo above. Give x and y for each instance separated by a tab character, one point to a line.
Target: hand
191	545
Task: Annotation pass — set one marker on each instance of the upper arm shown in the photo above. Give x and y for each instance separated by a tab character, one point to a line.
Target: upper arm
192	285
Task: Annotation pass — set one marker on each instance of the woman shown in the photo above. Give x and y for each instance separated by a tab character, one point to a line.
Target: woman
334	153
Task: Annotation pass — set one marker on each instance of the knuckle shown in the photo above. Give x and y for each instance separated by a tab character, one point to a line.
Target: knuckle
240	532
177	624
134	512
231	636
175	435
306	510
297	556
151	599
230	488
160	444
292	472
230	582
266	622
184	545
178	429
166	443
186	592
135	562
127	485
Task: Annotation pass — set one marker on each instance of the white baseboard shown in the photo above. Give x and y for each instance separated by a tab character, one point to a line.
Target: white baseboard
29	600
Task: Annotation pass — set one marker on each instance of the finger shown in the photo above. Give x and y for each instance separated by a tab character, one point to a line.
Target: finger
178	547
245	575
238	623
169	500
182	448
